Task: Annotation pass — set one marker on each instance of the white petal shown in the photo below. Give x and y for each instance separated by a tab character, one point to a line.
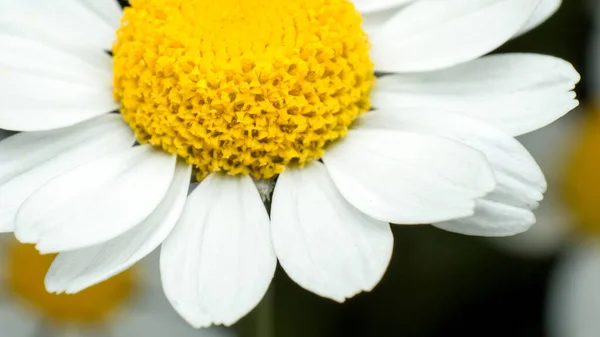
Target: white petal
74	271
516	93
547	237
408	178
31	159
324	243
22	55
553	146
36	103
58	22
543	12
574	295
373	23
218	262
370	6
435	34
152	316
96	202
157	323
109	10
520	182
492	219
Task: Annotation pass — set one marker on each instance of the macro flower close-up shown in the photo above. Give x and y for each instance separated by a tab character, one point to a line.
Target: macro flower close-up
237	134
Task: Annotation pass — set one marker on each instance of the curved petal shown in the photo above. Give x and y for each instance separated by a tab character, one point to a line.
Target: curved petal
324	243
574	296
543	12
516	93
45	88
31	159
109	10
547	237
408	178
518	176
218	262
22	55
157	319
36	103
76	270
373	23
436	34
492	218
371	6
96	202
59	22
520	182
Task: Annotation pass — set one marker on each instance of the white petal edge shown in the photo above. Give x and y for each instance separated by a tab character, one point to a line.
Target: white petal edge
76	270
4	134
547	237
22	55
372	6
96	202
492	219
436	34
408	178
543	12
520	181
109	10
157	319
33	102
517	93
31	159
59	23
322	242
218	262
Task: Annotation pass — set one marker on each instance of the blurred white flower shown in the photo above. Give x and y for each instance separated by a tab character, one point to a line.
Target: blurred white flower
574	292
125	306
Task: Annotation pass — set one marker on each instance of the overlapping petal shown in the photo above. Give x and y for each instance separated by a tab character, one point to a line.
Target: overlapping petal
31	159
325	244
218	262
96	202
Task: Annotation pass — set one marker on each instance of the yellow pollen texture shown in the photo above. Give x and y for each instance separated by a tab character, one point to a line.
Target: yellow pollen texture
26	272
242	86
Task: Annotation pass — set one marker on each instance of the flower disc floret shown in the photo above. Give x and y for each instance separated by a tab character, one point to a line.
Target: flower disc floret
242	86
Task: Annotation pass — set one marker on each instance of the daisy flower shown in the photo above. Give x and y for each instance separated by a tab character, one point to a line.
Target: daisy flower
123	306
257	93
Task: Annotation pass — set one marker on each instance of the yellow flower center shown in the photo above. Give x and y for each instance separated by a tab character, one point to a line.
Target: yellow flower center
26	270
242	86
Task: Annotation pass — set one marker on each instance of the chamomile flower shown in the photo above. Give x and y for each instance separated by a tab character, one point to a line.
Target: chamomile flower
274	93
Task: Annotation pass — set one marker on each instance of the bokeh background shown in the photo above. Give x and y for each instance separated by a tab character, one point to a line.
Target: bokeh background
542	283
